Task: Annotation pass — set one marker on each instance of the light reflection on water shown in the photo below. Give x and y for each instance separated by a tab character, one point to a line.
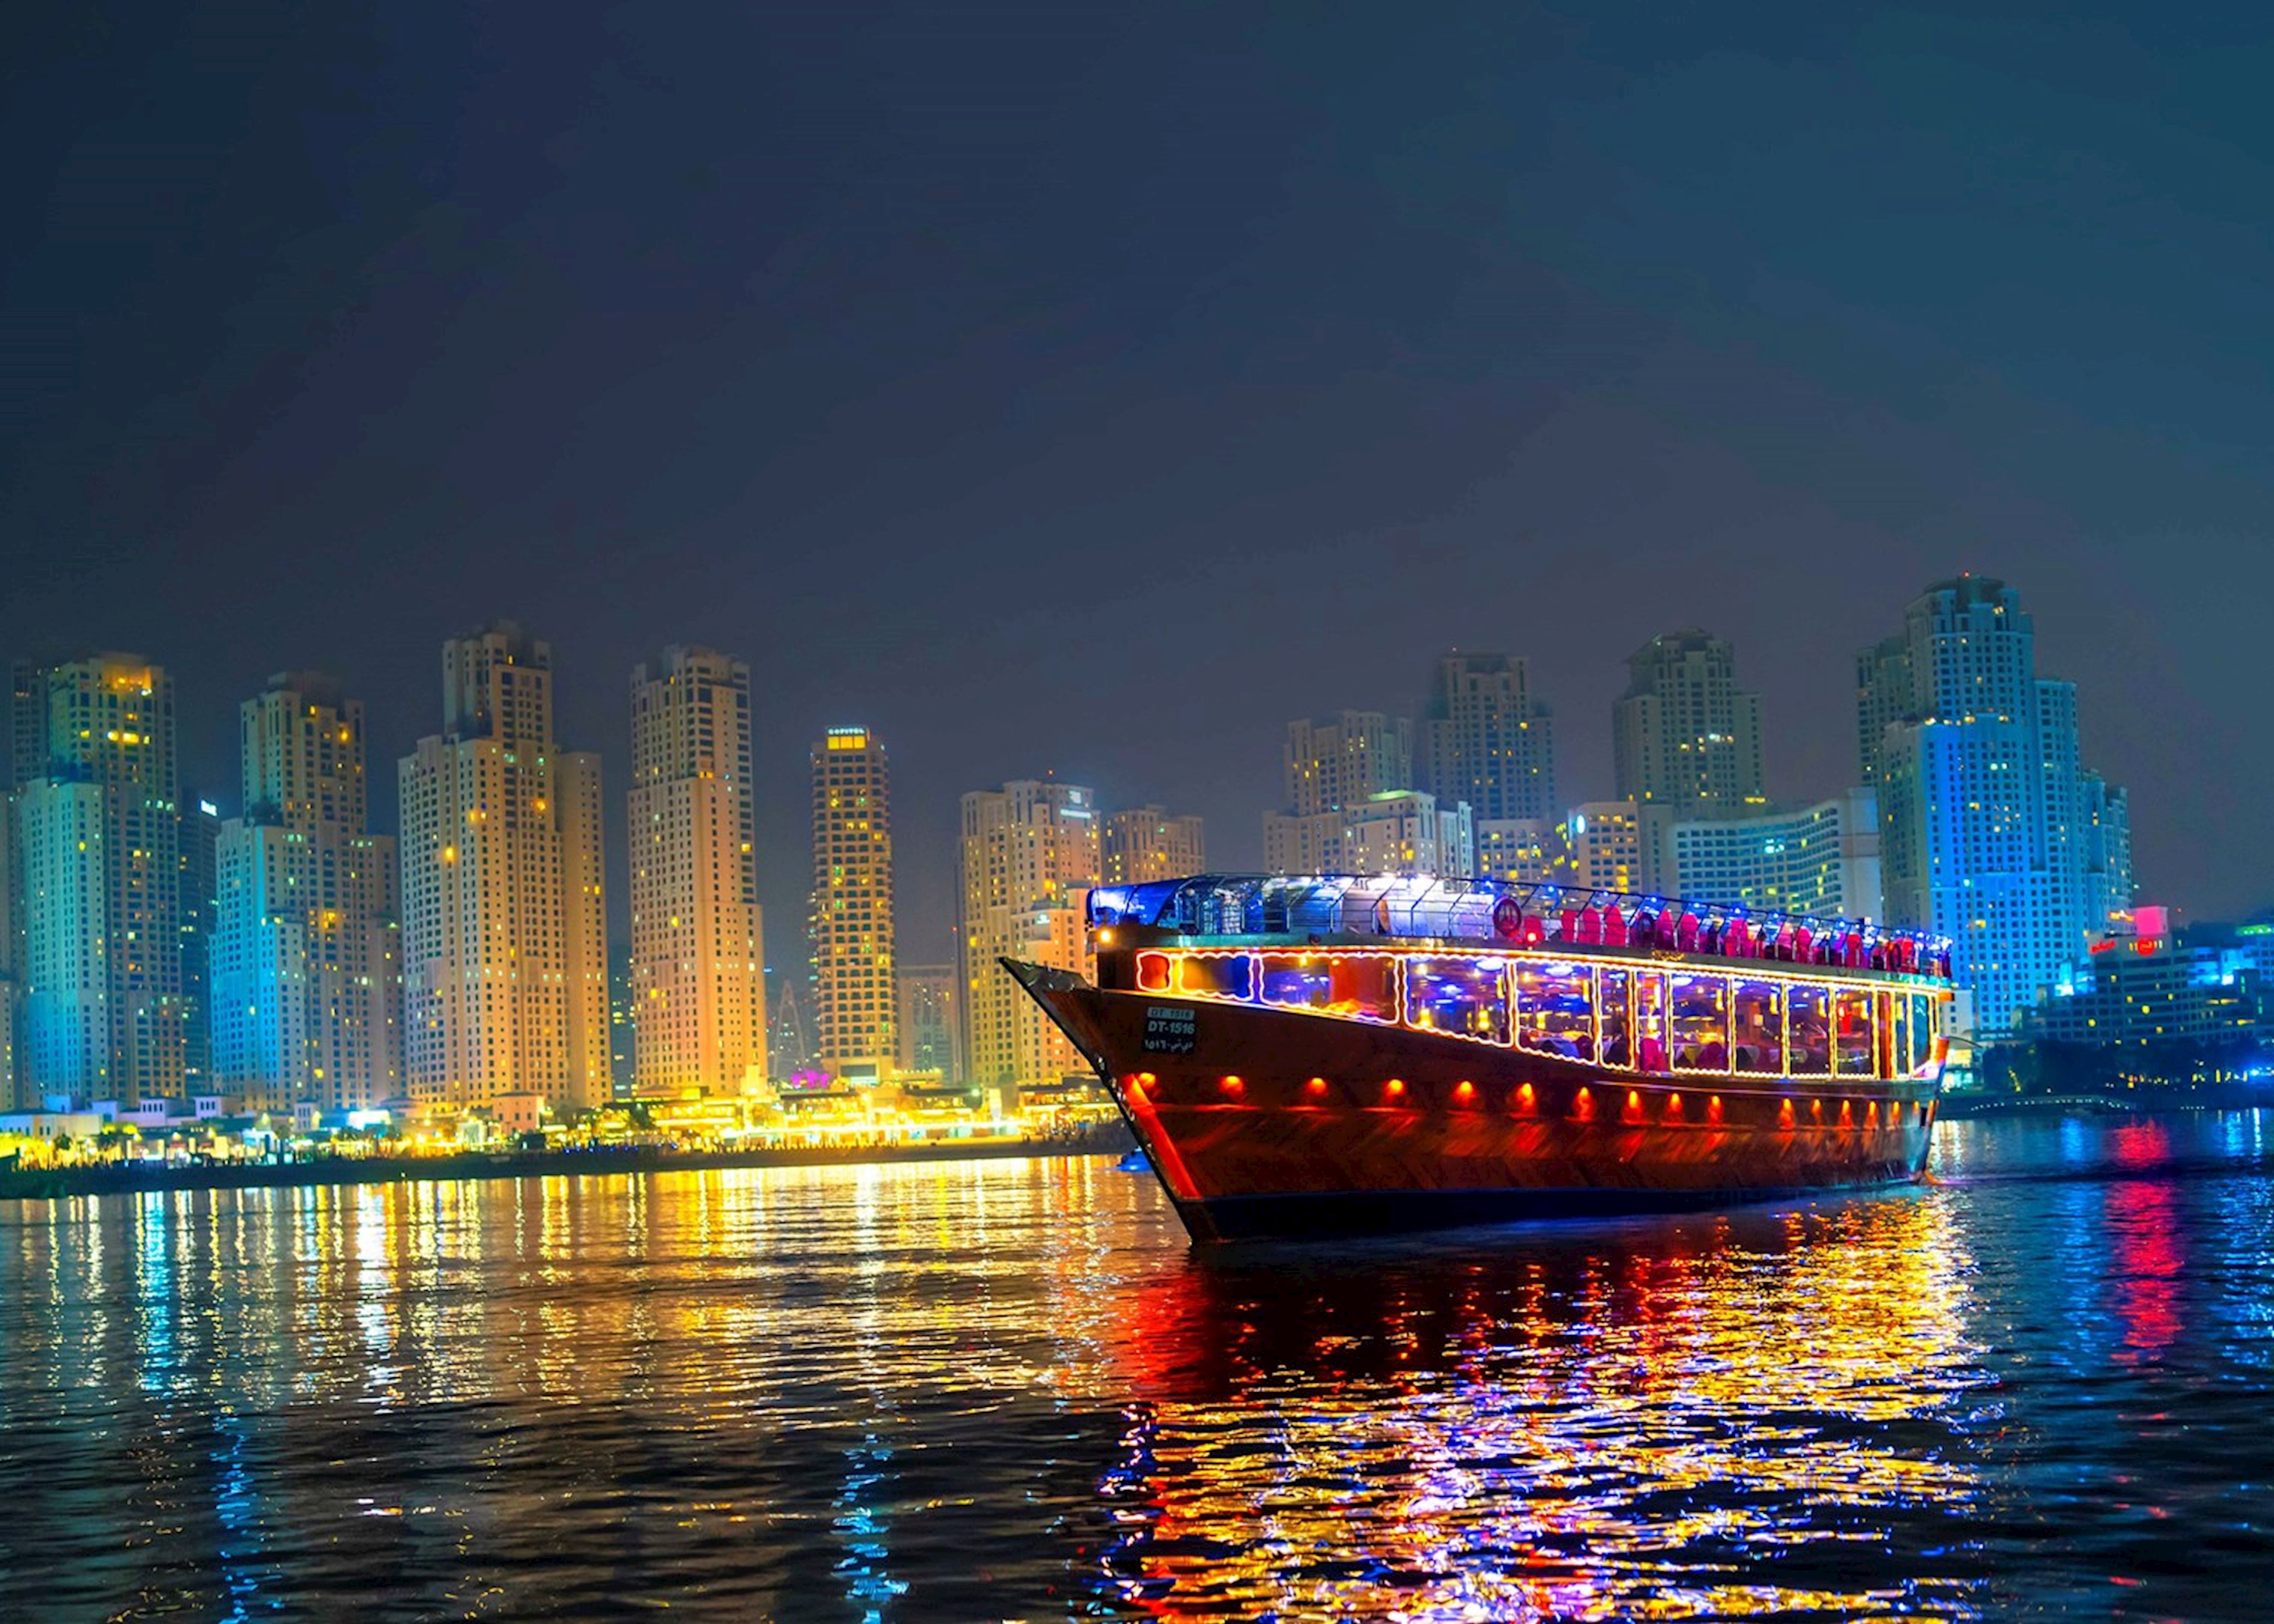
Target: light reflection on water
999	1389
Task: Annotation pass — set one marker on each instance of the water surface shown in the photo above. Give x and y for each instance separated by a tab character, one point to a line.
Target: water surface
2039	1387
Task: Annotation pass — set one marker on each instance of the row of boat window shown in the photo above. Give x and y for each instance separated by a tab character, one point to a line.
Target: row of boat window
1666	1021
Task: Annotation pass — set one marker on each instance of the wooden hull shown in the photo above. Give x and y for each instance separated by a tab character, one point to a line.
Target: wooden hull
1271	1122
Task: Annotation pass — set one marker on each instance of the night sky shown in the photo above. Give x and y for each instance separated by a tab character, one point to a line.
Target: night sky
1093	388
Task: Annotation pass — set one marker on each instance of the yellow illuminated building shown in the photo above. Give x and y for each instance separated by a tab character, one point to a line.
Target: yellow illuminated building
698	964
855	1012
504	973
1029	857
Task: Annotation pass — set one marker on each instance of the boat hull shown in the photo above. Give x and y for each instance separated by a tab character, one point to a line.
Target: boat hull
1268	1122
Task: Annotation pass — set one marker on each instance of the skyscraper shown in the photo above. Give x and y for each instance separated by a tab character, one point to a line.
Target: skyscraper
307	963
98	861
1145	843
856	1012
197	918
929	1026
697	966
1683	734
1331	763
504	973
1487	740
1030	856
1352	807
1986	820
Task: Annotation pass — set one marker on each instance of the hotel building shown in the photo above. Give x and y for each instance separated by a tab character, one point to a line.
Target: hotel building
1990	833
306	970
1820	861
856	1016
1029	855
697	962
504	974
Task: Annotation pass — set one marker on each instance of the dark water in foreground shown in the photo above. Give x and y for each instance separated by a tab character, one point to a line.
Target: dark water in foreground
1010	1390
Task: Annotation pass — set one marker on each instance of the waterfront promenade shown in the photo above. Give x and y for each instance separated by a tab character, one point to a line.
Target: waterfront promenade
129	1177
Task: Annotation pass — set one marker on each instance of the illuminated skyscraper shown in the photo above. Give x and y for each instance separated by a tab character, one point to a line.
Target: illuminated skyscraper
1030	856
856	1016
98	881
1487	740
1820	861
698	980
307	965
1144	842
197	919
1990	833
504	972
1683	734
9	1098
1352	807
1335	762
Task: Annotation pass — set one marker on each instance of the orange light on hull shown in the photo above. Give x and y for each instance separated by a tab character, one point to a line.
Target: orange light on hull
1315	1087
1583	1106
1527	1100
1463	1092
1233	1085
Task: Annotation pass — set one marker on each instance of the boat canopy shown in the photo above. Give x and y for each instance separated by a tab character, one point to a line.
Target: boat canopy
1268	905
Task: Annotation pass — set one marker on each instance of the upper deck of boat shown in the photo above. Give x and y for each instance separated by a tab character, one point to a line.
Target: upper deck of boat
1419	913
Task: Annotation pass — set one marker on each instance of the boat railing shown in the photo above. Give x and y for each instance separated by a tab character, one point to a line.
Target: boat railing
1506	912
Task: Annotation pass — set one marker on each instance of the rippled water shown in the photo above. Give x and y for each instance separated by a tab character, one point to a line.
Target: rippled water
1010	1390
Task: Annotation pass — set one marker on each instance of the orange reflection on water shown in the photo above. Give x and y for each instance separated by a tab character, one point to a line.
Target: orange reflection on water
1661	1420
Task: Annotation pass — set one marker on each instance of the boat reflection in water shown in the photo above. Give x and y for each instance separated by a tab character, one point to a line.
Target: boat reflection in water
1758	1411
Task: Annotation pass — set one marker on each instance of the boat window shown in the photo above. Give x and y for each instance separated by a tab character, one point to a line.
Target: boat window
1809	1007
1555	1008
1300	982
1465	996
1212	976
1616	1019
1700	1020
1756	1028
1883	1003
1851	1031
1922	1031
1363	985
1900	1041
1650	1021
1152	973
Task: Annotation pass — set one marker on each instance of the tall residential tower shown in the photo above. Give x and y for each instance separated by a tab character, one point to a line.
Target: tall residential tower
1030	856
98	882
306	969
856	1015
504	970
1487	738
697	963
